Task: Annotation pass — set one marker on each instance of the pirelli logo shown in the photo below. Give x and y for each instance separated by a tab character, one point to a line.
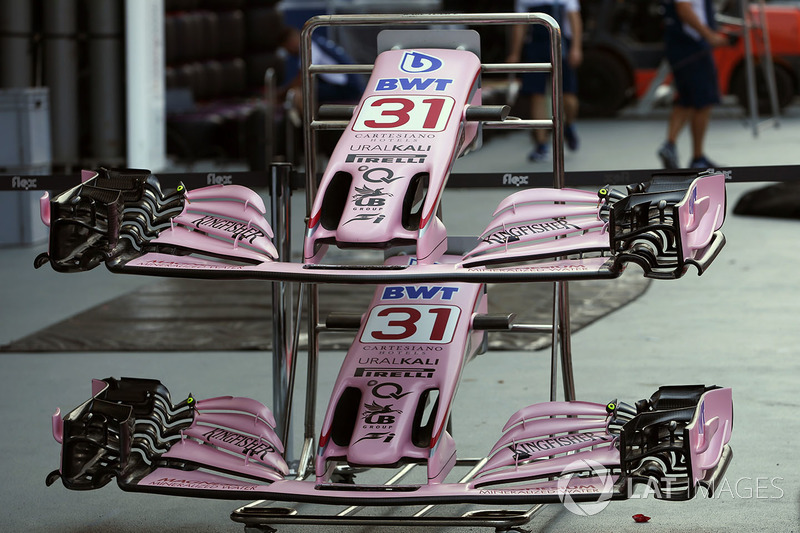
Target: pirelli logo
385	158
363	372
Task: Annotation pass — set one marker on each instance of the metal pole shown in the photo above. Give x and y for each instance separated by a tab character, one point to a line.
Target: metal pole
285	235
561	343
565	337
555	344
280	356
309	139
557	105
752	102
309	430
310	145
311	192
270	102
767	64
282	352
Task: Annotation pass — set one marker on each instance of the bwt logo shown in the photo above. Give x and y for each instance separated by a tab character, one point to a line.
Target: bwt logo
412	84
511	179
18	182
219	179
417	292
415	62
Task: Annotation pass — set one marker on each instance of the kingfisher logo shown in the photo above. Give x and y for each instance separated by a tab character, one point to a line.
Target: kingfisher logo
416	62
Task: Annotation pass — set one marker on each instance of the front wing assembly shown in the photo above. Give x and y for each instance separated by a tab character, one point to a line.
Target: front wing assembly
125	220
227	448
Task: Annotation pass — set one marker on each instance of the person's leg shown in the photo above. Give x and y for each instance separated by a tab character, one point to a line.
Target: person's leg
698	127
537	50
541	147
570	108
704	95
677	119
571	102
538	112
668	153
570	115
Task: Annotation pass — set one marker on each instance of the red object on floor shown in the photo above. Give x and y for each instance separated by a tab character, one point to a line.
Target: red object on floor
641	518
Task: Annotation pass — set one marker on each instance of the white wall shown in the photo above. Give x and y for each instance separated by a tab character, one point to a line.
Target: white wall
144	71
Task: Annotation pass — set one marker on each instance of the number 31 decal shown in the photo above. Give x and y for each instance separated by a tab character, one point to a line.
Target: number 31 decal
404	113
411	323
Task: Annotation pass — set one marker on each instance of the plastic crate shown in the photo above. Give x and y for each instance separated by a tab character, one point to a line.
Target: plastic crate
25	123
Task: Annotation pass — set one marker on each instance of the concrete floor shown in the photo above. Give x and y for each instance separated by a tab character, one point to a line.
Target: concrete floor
736	326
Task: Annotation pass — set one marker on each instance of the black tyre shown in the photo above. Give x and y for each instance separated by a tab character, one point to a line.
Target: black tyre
605	84
784	86
263	29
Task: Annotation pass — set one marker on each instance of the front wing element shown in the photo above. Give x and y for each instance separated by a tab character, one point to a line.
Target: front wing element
679	439
227	448
130	429
125	220
670	223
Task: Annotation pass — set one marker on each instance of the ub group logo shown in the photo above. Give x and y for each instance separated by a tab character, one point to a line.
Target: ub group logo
585	476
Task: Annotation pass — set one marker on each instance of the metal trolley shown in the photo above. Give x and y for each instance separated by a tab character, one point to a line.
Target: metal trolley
258	516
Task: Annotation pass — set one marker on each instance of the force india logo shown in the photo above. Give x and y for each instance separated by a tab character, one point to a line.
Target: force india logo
238	230
374	217
514	234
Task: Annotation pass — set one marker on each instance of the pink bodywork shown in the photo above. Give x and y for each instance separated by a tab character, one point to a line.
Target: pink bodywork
703	212
410	121
413	339
709	431
525	224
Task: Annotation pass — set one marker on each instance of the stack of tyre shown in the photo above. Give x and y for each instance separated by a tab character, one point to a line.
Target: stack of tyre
217	54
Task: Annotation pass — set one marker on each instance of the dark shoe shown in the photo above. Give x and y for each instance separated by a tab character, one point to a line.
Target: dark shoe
702	162
669	155
540	153
571	137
